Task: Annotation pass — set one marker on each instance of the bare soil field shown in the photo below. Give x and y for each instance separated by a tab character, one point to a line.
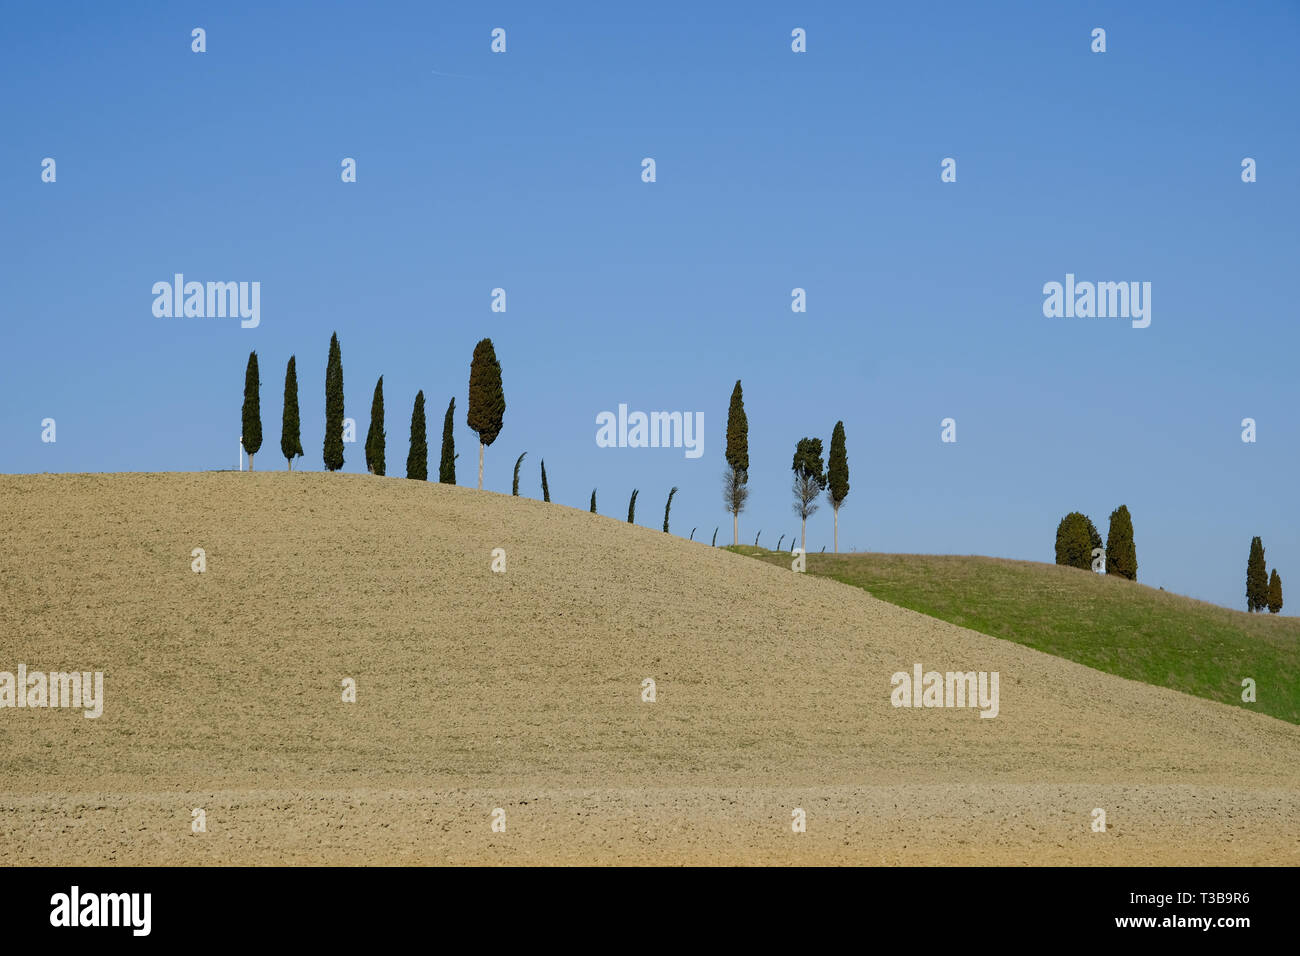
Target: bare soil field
523	691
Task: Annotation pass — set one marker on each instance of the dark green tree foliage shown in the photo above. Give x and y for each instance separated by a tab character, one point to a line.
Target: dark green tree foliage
514	488
593	500
809	481
1121	554
546	489
447	465
487	400
692	537
714	542
334	407
1274	593
1094	539
837	476
417	459
1256	577
1076	537
778	542
735	480
757	536
376	440
290	428
251	436
669	507
631	507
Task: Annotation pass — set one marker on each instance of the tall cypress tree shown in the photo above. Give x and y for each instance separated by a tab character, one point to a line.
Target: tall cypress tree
334	407
631	508
290	428
735	480
417	459
546	489
837	477
514	487
669	507
447	465
376	440
1256	577
251	436
593	500
487	400
1121	554
1274	593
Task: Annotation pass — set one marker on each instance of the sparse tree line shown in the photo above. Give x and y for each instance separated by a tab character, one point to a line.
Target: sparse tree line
1079	545
486	416
487	407
812	476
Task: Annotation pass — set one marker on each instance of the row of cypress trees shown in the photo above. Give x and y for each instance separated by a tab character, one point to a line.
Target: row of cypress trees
1077	543
486	416
811	475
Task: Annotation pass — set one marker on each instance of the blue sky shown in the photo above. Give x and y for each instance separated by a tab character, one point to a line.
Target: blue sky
775	170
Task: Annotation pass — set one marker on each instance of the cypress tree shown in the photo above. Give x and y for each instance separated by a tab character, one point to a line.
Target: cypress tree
334	407
251	436
417	459
290	429
1121	554
514	489
837	477
1076	537
447	466
487	400
375	437
1256	577
593	500
1274	593
546	491
809	482
631	508
736	478
714	542
669	507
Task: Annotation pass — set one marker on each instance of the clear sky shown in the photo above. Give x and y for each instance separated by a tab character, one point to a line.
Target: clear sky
775	170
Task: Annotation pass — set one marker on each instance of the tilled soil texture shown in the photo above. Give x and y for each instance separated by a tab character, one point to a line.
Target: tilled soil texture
523	691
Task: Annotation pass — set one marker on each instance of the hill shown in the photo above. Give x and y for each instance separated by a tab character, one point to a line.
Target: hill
1118	626
522	691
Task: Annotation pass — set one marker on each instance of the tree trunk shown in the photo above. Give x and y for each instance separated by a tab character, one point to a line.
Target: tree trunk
803	536
250	461
480	466
837	529
735	527
290	461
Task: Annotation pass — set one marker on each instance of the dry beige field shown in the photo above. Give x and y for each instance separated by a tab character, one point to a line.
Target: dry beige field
522	691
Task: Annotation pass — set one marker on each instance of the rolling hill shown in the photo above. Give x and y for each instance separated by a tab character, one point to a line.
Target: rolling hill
522	691
1118	626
